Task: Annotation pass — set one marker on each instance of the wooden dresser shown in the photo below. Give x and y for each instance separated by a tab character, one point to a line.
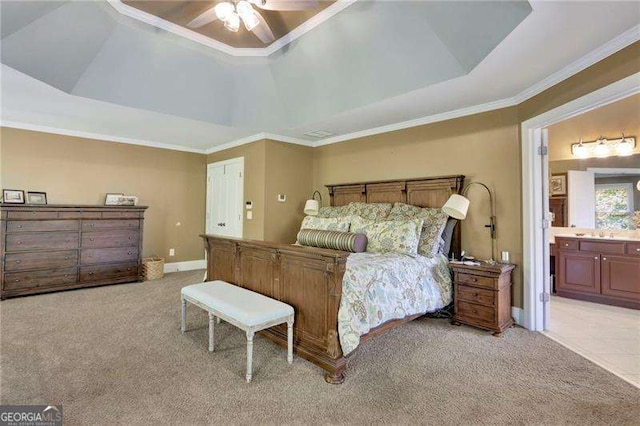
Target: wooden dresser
482	296
60	247
599	270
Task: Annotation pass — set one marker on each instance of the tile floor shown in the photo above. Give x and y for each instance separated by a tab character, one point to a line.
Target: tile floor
606	335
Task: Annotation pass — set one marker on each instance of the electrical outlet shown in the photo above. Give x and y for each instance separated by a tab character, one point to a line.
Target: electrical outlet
172	252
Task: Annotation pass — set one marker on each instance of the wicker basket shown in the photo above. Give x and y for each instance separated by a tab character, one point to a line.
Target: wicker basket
153	268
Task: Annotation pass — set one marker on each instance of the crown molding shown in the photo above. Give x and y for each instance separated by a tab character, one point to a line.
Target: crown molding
616	44
255	138
97	136
296	33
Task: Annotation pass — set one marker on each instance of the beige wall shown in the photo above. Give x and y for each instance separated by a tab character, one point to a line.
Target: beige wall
609	121
254	183
289	171
81	171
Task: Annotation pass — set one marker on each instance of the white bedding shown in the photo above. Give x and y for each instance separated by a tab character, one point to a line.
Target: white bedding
380	287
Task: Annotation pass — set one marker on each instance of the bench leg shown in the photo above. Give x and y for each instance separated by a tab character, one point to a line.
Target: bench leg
212	322
183	328
249	355
290	341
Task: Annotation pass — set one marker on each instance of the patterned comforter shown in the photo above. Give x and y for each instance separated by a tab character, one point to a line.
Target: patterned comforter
380	287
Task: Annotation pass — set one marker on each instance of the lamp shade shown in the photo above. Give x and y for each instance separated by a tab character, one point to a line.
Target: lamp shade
456	206
311	208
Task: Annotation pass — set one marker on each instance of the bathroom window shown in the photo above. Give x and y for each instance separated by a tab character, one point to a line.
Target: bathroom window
614	206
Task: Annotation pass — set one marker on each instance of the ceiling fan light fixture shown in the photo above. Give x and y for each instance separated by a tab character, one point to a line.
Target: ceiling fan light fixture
250	21
224	10
244	8
233	22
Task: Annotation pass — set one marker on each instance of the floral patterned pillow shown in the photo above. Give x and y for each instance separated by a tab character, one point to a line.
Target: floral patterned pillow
340	211
434	222
371	211
325	223
395	236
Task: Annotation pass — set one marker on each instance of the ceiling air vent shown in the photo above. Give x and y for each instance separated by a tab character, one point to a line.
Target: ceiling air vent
319	134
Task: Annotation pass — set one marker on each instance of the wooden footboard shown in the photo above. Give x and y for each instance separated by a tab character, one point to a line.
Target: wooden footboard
307	278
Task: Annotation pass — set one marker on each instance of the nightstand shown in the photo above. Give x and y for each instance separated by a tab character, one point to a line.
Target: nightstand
482	296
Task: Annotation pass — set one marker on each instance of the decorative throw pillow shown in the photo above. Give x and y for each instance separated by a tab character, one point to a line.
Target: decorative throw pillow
340	211
396	236
325	223
345	241
434	222
371	211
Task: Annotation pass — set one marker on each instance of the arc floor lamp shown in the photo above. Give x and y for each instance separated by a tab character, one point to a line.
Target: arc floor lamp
457	206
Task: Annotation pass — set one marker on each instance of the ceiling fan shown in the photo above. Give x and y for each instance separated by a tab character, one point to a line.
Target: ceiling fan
233	11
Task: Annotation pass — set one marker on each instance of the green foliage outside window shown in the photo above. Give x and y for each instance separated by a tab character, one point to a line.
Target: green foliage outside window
612	208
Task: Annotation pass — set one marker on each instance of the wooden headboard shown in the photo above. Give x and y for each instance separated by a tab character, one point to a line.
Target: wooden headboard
422	192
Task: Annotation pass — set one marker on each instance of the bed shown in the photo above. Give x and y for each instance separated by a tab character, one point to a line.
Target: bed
311	279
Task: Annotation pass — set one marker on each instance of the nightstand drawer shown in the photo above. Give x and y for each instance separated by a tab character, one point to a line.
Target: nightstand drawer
475	312
475	280
476	295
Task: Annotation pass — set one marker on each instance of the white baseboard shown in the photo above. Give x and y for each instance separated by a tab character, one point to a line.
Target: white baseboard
518	315
190	265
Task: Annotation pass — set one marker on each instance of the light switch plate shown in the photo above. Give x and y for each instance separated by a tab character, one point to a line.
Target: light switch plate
249	215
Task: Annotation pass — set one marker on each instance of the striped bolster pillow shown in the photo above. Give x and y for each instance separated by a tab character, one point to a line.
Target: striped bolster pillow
345	241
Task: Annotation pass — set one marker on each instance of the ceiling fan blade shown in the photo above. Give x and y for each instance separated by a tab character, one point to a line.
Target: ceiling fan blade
203	19
262	30
286	4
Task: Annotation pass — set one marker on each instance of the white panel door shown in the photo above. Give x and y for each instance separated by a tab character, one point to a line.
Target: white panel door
225	187
581	196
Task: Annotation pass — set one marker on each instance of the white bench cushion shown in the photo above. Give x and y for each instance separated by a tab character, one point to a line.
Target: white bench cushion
248	307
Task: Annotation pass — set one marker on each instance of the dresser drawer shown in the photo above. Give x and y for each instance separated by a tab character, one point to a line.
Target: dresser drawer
475	280
41	260
122	271
26	280
80	215
633	249
566	244
115	238
91	225
121	215
32	215
476	295
483	314
42	225
42	241
108	255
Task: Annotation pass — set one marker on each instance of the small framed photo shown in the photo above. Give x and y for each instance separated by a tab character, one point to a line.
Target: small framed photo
13	196
36	197
112	199
558	185
128	200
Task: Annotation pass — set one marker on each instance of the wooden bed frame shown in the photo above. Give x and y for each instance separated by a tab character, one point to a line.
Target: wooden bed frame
309	278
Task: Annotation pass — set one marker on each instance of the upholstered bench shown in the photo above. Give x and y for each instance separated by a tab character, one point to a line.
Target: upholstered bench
247	310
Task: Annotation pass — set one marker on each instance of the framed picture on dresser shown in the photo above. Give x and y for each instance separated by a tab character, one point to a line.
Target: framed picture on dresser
36	197
13	196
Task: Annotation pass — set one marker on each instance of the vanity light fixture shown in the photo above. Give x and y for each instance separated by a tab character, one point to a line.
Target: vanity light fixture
603	147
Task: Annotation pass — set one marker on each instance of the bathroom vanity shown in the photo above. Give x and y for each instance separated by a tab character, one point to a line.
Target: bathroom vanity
603	270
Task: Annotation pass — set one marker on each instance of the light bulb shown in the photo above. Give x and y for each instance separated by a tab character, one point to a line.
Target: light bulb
602	150
244	8
250	21
223	10
233	22
580	150
625	147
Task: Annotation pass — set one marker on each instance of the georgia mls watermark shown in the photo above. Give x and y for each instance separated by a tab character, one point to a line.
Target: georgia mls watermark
30	415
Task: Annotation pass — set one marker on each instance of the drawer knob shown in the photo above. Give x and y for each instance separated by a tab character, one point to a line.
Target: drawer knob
604	258
128	252
596	258
90	239
638	249
68	239
18	261
18	280
566	244
91	225
19	226
66	258
66	276
128	269
19	242
90	273
132	238
474	279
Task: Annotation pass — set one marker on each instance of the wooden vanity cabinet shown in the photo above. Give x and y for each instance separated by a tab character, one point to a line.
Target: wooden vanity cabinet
597	270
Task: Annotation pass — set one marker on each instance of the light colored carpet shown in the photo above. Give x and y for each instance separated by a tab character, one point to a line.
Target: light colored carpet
115	355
